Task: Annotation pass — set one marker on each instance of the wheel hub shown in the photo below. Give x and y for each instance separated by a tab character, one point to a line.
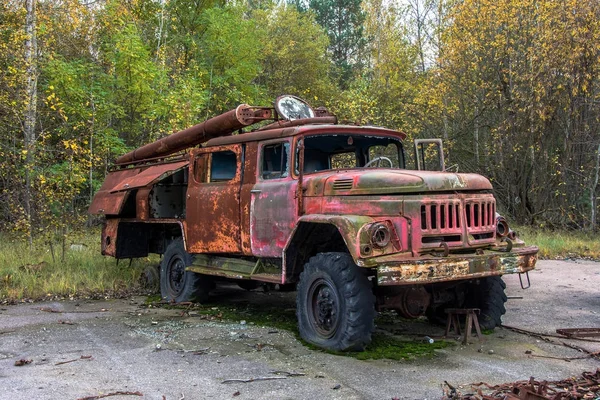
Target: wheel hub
176	275
324	308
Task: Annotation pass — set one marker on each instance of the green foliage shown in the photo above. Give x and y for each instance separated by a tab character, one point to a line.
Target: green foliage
557	244
295	59
343	20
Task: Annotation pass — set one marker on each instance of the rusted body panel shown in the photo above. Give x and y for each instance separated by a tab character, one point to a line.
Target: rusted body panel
246	194
109	237
273	210
110	198
452	268
108	203
213	209
147	175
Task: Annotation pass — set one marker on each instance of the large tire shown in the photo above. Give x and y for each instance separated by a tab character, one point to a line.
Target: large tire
177	284
335	305
487	294
489	297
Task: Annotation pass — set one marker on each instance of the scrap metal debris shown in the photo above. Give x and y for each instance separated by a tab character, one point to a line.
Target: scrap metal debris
22	361
542	335
579	332
76	359
101	396
264	378
585	387
546	338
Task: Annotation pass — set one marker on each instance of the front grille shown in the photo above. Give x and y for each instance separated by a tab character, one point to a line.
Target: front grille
480	215
343	184
442	221
436	217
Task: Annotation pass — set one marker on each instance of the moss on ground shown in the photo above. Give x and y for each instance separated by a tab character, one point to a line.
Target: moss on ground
383	345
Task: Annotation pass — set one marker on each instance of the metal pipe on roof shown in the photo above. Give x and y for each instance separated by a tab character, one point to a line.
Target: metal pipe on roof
221	125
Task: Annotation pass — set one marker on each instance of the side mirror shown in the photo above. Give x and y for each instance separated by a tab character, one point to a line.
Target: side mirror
429	154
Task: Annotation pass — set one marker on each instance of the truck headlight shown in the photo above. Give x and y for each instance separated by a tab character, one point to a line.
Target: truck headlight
380	235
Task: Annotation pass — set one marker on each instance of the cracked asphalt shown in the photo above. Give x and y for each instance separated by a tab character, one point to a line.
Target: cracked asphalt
86	348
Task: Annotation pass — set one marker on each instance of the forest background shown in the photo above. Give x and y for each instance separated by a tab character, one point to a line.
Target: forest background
512	86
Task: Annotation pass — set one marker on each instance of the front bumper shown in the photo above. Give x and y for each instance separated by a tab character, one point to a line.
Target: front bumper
455	267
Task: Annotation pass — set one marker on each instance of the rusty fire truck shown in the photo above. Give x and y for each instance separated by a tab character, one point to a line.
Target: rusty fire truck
298	199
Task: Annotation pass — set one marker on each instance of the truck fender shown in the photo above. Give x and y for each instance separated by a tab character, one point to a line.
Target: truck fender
312	231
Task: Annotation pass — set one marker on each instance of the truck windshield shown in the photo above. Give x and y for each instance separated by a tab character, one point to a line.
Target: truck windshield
324	152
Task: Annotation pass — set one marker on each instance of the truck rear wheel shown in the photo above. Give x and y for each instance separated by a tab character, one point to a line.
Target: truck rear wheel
487	294
335	303
177	284
489	297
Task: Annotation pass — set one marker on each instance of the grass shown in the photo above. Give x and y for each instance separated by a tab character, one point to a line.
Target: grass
34	274
562	244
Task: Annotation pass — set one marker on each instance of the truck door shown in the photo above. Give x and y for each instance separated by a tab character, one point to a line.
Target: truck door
213	200
273	209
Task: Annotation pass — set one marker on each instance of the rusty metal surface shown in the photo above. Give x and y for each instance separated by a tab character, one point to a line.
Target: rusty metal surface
220	125
109	237
579	332
148	175
454	267
586	386
142	207
112	195
213	211
249	180
305	129
108	203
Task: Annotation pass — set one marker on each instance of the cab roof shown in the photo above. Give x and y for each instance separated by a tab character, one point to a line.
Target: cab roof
255	136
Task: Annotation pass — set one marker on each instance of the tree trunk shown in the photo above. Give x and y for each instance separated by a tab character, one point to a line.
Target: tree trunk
593	199
30	110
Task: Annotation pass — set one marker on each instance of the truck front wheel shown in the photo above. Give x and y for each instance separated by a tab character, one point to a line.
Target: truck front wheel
177	284
335	303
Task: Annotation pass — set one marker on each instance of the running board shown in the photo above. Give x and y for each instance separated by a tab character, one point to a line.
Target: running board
235	268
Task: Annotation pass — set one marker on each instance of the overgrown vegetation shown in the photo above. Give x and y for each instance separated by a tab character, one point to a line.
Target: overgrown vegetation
35	273
559	244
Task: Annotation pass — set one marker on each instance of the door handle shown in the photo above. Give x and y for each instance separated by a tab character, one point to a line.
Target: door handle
255	191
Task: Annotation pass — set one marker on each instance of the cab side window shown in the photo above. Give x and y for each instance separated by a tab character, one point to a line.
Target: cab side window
274	161
223	166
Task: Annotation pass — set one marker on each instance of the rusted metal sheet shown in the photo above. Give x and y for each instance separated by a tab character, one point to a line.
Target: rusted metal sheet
148	175
453	268
110	198
249	180
287	123
586	386
142	206
220	125
579	332
213	208
273	215
108	203
109	237
300	130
